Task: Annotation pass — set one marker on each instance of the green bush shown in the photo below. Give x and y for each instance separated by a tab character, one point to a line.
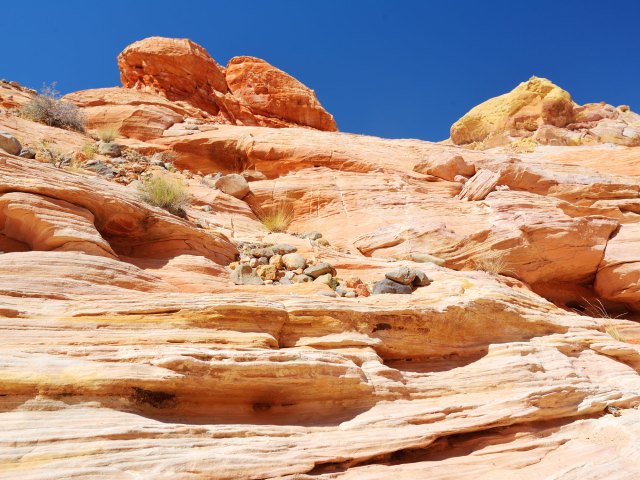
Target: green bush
165	192
46	107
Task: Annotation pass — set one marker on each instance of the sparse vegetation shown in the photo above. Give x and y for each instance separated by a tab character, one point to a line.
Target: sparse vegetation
276	218
493	263
166	193
108	134
89	150
46	107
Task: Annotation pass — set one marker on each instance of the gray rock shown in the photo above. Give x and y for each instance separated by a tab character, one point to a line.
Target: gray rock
110	149
319	269
245	275
285	281
403	275
289	275
263	261
311	235
157	162
253	262
341	291
293	261
100	168
302	279
283	249
426	258
350	294
119	161
234	185
389	286
9	143
207	208
421	279
27	152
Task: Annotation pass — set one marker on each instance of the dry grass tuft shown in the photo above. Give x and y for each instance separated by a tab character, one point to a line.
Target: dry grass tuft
89	150
108	134
166	193
494	262
276	218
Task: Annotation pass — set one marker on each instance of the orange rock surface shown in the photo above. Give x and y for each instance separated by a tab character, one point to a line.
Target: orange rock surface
129	352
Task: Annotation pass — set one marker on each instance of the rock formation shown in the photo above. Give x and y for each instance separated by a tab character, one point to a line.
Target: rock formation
544	113
139	343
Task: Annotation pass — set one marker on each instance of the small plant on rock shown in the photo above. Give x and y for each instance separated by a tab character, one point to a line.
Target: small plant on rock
89	150
108	134
493	263
166	193
276	218
46	107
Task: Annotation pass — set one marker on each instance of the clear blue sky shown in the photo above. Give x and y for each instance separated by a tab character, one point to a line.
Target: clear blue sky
402	69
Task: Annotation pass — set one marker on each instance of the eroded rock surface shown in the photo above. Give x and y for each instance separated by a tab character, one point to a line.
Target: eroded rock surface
132	349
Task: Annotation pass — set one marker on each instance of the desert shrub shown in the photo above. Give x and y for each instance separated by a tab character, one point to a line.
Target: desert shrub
89	150
276	218
46	107
165	192
493	262
108	134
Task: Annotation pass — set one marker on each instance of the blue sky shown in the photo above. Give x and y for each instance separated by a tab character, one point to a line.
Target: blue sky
398	69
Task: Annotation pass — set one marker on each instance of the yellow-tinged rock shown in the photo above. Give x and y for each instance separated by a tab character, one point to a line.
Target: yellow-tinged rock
531	104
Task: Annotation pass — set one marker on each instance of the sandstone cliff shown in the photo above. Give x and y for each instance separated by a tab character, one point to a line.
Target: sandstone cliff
139	343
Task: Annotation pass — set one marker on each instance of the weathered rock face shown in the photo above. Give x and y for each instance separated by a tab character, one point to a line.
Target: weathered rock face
176	68
271	92
136	343
168	79
539	110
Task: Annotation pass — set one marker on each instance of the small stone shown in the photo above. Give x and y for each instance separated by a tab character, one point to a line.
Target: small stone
276	260
263	261
289	275
263	252
234	185
100	167
245	259
318	269
294	261
27	152
207	208
234	265
327	293
285	281
245	275
353	282
403	275
266	272
311	235
350	294
298	271
9	143
283	249
110	149
421	279
341	290
253	262
323	242
389	286
302	279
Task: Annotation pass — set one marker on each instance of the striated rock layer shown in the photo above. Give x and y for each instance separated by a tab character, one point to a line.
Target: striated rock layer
129	352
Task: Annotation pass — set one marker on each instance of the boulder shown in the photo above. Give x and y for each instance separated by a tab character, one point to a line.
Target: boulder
234	185
271	92
266	272
245	275
9	143
403	275
110	149
421	279
293	261
318	269
389	286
